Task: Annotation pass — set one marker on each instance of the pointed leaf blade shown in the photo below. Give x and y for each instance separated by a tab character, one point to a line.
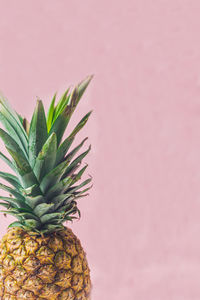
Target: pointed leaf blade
13	118
61	104
26	173
34	201
58	188
12	191
76	162
7	161
81	124
62	150
48	218
11	179
14	133
43	208
38	132
46	158
69	157
82	86
50	114
53	177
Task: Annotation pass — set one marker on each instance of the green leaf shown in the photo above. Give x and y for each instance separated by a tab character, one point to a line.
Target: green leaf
69	218
83	85
58	188
60	125
66	206
64	147
69	157
11	191
21	119
24	210
59	200
75	188
46	158
78	176
21	162
47	228
76	162
81	124
62	150
50	113
14	120
10	143
34	201
6	205
43	208
12	213
62	120
11	179
15	224
38	132
25	171
69	209
74	99
53	177
14	134
33	190
28	215
61	104
7	161
33	224
82	194
17	203
48	218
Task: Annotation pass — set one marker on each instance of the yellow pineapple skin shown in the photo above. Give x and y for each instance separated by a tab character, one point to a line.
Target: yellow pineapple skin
50	267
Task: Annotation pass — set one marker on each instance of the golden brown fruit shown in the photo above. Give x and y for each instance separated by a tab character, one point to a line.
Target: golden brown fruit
50	267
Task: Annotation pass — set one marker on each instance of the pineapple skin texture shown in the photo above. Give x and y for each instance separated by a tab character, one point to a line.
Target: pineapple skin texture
50	267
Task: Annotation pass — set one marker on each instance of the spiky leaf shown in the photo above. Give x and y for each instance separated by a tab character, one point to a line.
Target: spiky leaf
7	161
53	177
50	114
11	191
59	188
83	85
75	162
37	133
43	208
46	158
17	203
14	133
12	179
34	201
69	157
81	124
48	218
62	150
14	119
27	177
43	188
61	104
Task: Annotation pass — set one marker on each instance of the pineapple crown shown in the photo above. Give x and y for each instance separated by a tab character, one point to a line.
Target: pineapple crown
44	189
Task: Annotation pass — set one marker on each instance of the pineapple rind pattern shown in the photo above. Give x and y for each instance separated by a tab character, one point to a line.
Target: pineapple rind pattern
67	278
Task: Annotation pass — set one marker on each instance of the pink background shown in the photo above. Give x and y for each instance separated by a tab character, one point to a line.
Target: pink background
141	224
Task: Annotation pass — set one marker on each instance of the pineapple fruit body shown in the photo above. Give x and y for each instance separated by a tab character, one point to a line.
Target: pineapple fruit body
50	267
40	258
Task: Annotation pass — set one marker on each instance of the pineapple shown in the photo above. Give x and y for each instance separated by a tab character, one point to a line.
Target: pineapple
40	258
